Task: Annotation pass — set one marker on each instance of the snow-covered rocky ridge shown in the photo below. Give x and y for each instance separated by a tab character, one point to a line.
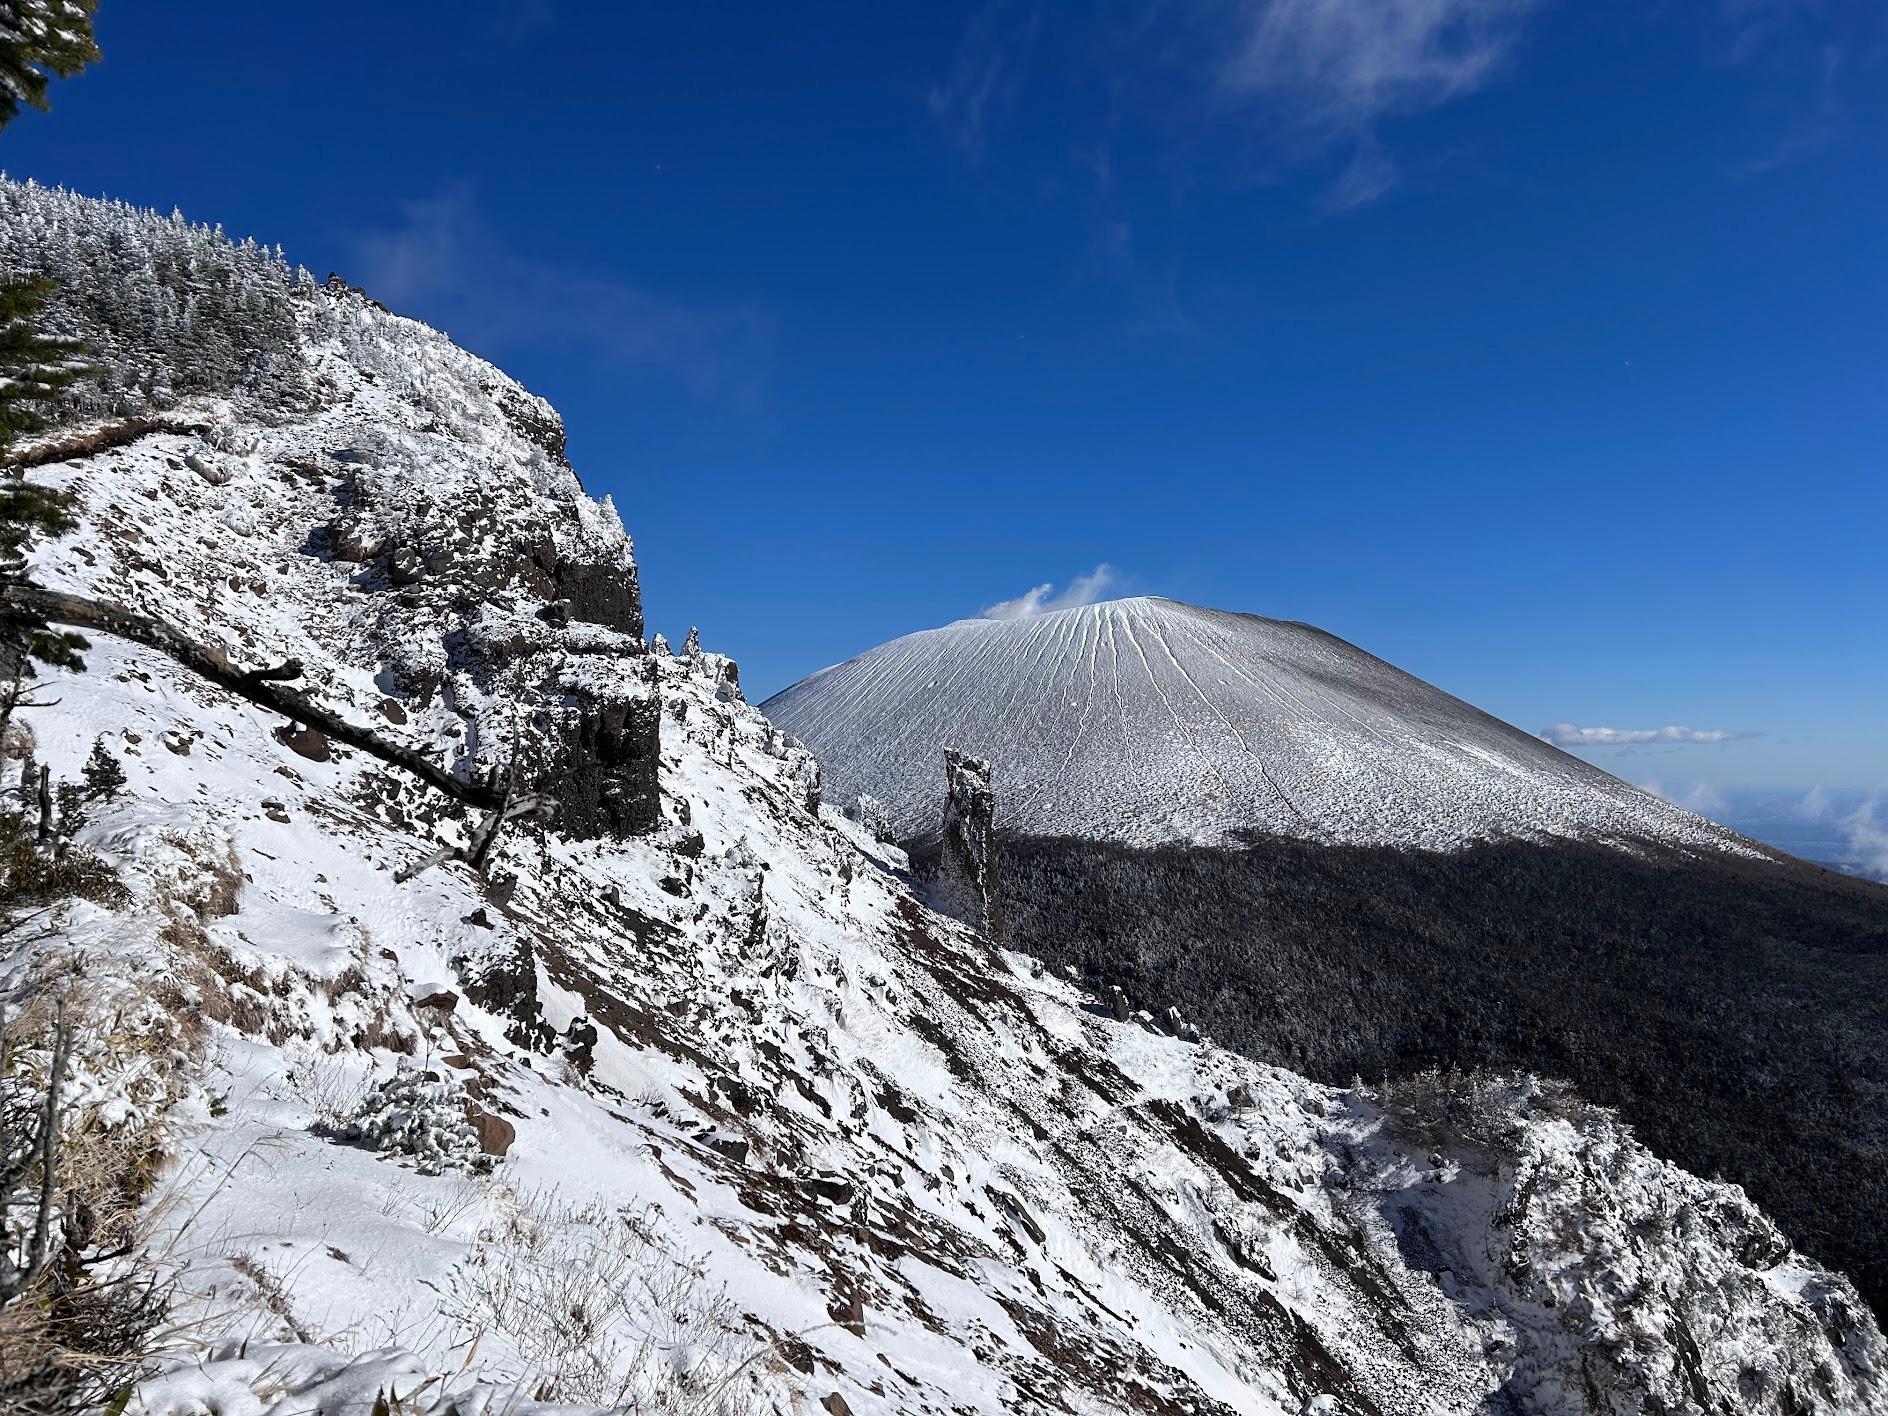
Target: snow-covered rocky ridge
1147	721
777	1137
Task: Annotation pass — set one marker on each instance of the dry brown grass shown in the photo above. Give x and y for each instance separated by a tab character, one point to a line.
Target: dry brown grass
80	1325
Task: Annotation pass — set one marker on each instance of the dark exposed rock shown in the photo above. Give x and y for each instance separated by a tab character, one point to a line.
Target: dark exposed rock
305	742
604	775
405	567
414	681
442	1001
835	1188
848	1311
754	931
349	540
580	1044
728	682
741	1097
502	977
608	595
531	418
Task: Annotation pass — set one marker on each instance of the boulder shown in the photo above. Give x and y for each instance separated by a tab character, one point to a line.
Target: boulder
307	742
495	1133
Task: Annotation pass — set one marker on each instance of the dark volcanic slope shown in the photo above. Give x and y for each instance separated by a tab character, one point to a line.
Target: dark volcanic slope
1736	1011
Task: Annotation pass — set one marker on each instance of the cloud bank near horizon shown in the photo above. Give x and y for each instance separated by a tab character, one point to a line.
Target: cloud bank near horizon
1573	735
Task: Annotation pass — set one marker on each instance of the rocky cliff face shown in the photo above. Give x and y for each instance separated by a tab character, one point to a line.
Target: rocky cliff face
474	603
773	1134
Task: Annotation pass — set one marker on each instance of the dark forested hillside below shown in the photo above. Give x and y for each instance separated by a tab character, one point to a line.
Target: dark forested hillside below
1735	1011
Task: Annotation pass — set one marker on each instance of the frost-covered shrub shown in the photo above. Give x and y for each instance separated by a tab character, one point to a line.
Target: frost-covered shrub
32	876
420	1116
599	1307
1440	1108
872	817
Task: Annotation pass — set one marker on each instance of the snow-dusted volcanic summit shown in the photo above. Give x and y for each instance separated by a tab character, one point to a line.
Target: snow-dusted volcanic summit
1147	720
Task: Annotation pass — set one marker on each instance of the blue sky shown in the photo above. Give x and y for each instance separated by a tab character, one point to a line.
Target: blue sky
1535	345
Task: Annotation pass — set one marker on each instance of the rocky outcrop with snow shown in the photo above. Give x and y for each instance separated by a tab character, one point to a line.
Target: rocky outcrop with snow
965	884
687	1103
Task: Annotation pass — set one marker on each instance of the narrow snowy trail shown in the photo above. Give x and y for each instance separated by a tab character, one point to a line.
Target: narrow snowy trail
1146	720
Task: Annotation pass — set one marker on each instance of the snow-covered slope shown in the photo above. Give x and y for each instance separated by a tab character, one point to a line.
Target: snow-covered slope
1146	721
777	1137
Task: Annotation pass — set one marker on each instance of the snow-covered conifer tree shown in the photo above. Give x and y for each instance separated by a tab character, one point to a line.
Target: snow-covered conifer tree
40	38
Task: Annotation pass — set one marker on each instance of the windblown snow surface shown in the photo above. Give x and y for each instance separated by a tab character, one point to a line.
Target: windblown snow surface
828	1150
1147	721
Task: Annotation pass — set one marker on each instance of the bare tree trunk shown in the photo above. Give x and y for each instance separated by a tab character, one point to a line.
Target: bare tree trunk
487	835
478	850
45	804
49	1150
257	686
9	700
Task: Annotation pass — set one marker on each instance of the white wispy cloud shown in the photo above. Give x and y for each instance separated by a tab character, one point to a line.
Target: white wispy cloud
986	75
1323	75
1351	63
1082	590
446	263
1863	826
1865	831
1573	735
1297	81
1815	805
1699	797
